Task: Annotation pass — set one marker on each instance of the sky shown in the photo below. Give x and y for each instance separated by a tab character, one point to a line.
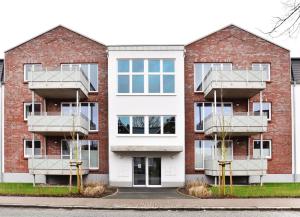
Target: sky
115	22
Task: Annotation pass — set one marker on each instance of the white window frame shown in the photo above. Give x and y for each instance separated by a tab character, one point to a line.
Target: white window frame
270	108
24	148
195	124
89	149
33	65
213	151
261	68
28	104
146	124
146	75
89	112
203	76
270	145
89	71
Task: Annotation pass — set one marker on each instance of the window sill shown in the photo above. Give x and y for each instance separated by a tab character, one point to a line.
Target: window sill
147	135
146	94
198	169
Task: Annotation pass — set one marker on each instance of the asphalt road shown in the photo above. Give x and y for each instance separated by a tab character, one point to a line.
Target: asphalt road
18	212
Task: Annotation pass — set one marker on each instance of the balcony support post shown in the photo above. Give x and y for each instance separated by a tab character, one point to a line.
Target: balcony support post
77	102
215	147
215	103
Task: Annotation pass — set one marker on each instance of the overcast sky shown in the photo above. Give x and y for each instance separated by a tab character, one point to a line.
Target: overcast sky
138	21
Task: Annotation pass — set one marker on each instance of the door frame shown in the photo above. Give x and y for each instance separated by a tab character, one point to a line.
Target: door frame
146	173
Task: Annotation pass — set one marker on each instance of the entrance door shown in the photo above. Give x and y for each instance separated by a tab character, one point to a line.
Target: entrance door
146	171
139	171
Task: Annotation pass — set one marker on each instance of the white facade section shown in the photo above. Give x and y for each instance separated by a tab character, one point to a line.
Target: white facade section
168	147
296	128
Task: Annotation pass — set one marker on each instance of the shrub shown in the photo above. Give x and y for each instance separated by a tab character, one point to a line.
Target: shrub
198	189
94	190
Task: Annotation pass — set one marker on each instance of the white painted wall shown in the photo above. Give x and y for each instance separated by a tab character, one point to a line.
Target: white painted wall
120	165
296	132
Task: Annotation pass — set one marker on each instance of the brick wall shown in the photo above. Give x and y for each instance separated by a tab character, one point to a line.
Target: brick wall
241	48
59	45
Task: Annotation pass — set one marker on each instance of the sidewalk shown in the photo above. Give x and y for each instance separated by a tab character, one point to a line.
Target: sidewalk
151	204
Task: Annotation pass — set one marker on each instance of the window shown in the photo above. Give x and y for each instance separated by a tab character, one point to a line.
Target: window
204	150
133	73
28	68
138	125
156	125
266	109
201	70
123	125
265	68
88	151
28	148
204	109
90	70
266	149
28	109
87	109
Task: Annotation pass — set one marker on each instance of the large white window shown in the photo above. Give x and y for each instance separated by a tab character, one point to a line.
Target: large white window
203	109
152	76
28	148
266	109
90	70
156	125
264	67
88	151
266	149
201	70
204	150
28	109
28	68
88	109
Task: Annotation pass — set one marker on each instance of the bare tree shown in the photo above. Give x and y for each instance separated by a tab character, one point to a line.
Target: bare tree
289	23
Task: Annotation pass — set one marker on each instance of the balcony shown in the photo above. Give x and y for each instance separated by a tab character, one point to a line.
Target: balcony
235	84
241	166
58	84
57	125
237	124
54	165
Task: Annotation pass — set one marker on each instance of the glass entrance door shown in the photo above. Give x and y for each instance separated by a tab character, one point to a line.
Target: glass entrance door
139	171
154	170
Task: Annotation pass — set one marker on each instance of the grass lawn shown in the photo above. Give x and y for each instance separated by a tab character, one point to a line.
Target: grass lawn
27	189
267	190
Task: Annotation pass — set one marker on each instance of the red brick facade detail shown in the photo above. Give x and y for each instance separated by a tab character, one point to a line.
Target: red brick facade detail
59	45
242	48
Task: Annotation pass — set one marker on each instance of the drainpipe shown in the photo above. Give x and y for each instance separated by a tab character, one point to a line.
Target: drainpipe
294	130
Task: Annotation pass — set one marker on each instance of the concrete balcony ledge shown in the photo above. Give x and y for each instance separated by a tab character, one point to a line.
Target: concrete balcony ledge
57	124
237	124
234	83
146	148
59	83
54	165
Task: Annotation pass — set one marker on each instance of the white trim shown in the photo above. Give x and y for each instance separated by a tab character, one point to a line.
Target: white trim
28	104
146	126
24	147
270	146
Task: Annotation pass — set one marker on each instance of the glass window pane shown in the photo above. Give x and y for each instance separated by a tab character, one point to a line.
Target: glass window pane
28	109
168	66
198	113
198	77
227	150
85	69
168	82
123	125
37	148
93	77
206	69
154	65
65	109
154	125
199	161
123	84
28	145
123	65
208	149
154	83
266	109
94	154
84	109
256	67
227	66
65	149
138	125
137	65
138	84
84	144
93	116
169	124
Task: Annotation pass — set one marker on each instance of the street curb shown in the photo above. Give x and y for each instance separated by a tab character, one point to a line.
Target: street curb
153	208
